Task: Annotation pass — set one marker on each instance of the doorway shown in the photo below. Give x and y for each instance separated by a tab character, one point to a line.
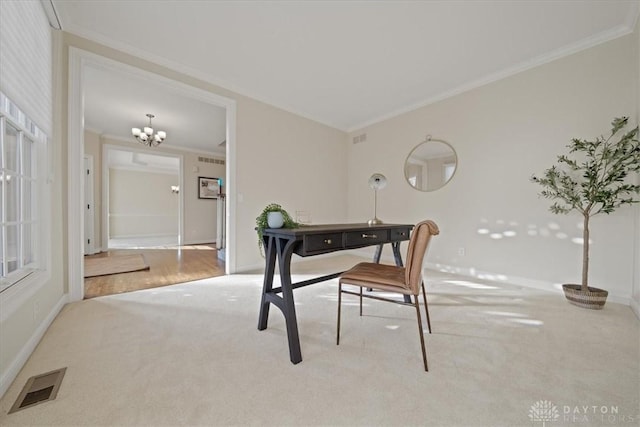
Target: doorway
142	205
79	60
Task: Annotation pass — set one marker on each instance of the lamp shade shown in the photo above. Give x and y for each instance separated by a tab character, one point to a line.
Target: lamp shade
377	181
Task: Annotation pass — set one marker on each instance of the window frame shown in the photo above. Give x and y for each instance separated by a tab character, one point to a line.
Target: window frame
27	278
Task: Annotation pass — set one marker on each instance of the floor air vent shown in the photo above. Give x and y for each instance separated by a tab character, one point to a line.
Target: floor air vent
38	389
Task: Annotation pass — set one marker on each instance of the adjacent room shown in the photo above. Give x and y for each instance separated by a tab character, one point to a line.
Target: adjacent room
267	176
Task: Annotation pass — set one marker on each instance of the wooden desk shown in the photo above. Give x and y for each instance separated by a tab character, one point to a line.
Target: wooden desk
282	243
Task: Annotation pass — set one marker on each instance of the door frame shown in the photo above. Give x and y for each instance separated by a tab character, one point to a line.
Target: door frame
79	59
89	200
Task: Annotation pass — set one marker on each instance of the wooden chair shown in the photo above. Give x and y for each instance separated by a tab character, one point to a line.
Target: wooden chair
390	278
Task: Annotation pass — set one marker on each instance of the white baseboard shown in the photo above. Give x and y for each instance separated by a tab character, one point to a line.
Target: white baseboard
200	241
16	365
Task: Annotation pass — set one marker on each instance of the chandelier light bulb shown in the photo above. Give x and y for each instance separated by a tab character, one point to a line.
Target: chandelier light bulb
146	135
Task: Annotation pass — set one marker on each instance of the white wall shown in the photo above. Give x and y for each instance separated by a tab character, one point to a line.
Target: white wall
142	204
503	133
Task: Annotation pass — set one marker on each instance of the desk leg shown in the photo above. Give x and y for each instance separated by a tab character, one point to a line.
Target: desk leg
398	257
396	253
376	259
270	258
288	306
378	254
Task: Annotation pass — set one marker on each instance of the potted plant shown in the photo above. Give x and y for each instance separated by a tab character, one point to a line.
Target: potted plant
272	216
592	182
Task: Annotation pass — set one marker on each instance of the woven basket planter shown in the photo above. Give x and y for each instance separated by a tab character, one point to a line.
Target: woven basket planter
594	299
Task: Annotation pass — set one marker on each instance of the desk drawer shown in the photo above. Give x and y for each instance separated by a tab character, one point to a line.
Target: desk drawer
322	242
358	238
399	234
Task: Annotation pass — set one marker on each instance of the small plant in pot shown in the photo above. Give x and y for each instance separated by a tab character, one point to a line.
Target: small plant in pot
272	216
593	181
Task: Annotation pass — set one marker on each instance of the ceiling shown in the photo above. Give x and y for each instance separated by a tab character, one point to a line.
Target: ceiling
346	64
115	102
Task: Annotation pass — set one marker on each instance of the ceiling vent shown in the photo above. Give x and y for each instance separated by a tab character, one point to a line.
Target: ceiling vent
211	160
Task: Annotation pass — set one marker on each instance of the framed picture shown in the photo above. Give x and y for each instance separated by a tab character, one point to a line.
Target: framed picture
208	188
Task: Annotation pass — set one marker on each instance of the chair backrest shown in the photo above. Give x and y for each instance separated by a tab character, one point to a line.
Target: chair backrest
418	244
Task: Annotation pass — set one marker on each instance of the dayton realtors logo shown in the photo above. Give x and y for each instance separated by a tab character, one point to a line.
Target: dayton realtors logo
545	411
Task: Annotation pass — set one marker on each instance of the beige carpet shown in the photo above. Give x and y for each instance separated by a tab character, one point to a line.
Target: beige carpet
191	354
114	265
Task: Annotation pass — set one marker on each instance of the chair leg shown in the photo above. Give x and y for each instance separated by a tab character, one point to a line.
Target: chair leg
426	307
360	301
339	306
424	351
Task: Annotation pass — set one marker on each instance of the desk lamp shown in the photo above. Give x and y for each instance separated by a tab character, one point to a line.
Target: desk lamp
377	182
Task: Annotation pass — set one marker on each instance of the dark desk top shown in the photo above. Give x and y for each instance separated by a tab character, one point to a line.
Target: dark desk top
318	239
332	228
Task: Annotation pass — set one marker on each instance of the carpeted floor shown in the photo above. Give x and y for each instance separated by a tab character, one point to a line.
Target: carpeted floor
191	354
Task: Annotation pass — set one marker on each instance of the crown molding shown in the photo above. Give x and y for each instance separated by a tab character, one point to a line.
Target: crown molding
603	37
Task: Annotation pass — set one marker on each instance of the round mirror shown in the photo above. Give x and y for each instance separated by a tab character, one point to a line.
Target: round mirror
430	165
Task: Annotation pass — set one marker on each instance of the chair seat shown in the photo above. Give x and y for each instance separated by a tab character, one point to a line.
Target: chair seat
377	276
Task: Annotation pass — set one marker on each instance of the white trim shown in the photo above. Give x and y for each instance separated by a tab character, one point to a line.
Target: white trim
78	60
203	241
75	150
104	203
90	247
231	199
21	358
180	199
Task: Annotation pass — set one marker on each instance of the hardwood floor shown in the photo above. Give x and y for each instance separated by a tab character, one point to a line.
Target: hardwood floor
167	267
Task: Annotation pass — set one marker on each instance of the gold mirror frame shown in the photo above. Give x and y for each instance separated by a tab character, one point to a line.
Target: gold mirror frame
430	165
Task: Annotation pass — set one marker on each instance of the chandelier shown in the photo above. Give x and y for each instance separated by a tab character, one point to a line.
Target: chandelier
146	135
